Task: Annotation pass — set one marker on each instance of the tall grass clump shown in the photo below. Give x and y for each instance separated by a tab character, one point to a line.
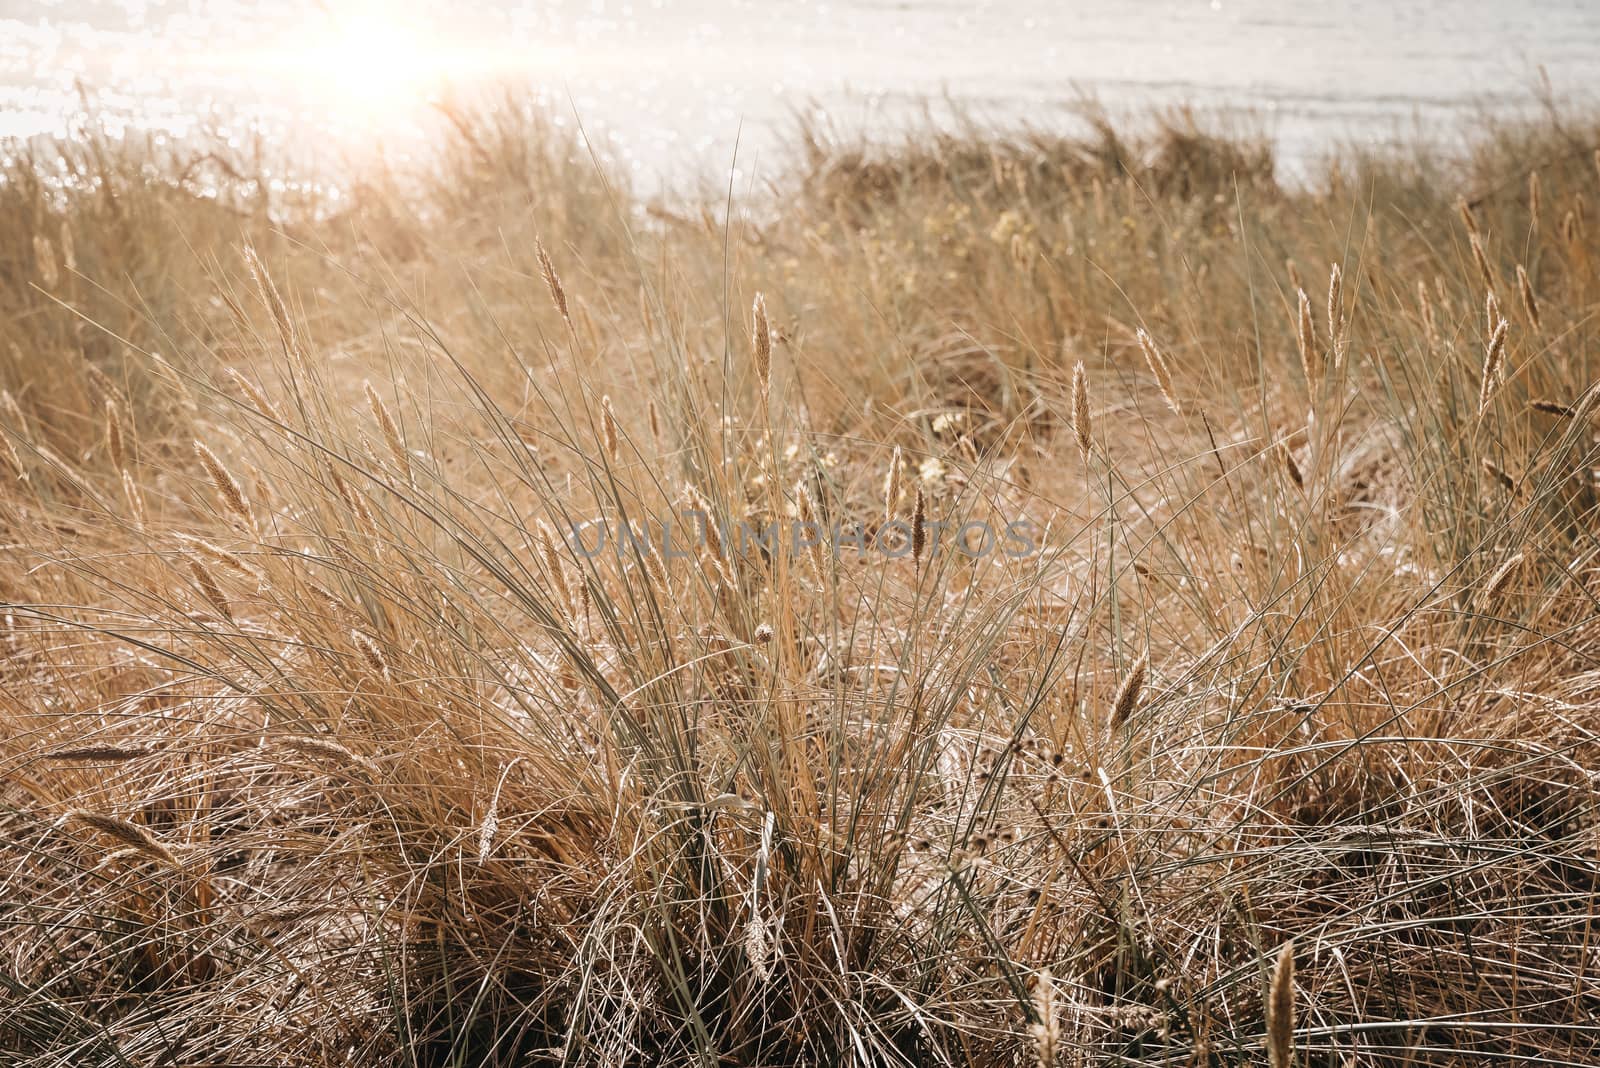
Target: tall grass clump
982	606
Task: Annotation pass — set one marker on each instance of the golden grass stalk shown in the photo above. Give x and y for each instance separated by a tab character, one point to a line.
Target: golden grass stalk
1080	409
1492	365
208	586
552	281
1425	306
391	432
1046	1029
554	564
608	428
891	485
287	335
1530	303
1533	201
702	504
1465	211
762	334
257	398
129	834
1491	313
1129	691
919	528
1291	468
1482	260
228	490
1158	367
1502	577
1501	476
114	443
8	452
69	254
99	753
1336	310
315	746
8	404
218	554
68	472
371	653
171	374
44	257
100	383
134	496
1310	355
1280	1010
655	421
756	948
357	505
488	828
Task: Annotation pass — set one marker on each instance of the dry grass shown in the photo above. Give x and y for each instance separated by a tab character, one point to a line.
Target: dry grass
325	745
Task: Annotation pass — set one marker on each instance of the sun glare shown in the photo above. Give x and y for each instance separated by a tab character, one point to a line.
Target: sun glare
368	63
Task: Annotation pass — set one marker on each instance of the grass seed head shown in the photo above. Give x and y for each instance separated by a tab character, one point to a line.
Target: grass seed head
919	527
131	835
1291	468
1080	409
99	753
228	491
287	335
1425	308
130	491
552	281
1046	1028
8	453
891	485
1131	689
554	565
44	258
208	587
391	432
762	334
1310	356
1530	303
1501	477
371	653
257	398
1336	306
1501	578
1158	367
115	447
1280	1010
1479	257
1493	363
608	428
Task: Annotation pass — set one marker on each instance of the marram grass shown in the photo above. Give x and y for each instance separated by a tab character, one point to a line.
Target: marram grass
436	634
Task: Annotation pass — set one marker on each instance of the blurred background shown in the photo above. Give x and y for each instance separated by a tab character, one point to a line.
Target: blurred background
674	85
